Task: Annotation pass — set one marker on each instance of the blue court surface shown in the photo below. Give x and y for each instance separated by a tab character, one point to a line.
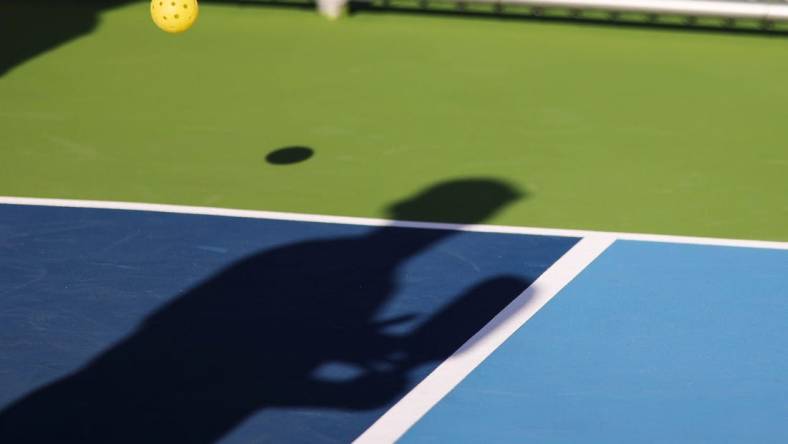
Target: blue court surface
142	326
653	342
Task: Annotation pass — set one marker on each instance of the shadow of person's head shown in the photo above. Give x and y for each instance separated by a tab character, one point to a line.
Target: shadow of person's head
465	201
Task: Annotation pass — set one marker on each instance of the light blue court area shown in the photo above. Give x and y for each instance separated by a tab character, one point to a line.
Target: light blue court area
137	326
652	343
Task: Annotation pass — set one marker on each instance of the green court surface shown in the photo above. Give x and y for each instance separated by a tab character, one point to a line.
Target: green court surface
601	127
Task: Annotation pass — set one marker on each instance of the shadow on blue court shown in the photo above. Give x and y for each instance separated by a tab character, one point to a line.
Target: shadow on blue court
303	332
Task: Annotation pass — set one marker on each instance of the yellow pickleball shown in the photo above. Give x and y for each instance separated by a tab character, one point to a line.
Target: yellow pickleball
174	15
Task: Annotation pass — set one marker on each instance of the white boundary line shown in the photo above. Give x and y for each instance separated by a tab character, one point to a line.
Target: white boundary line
254	214
397	420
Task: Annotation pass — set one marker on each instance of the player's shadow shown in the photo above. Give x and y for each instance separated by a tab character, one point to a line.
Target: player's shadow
256	336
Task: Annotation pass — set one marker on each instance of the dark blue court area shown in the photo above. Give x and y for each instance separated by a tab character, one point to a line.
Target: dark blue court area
127	326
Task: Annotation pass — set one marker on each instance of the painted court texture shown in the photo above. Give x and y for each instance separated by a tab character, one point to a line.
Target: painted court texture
120	325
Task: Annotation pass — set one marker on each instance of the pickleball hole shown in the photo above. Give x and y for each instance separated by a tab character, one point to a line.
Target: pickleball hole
289	155
177	16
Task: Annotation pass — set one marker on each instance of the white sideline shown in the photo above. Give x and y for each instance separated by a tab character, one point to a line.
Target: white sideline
397	420
254	214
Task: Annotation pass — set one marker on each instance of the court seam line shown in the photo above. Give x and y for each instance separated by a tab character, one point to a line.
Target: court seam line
352	220
443	379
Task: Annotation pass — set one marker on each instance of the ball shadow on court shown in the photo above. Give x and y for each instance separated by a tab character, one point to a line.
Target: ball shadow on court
289	155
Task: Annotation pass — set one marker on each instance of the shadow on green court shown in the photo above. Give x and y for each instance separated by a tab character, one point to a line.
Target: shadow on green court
289	155
464	201
29	28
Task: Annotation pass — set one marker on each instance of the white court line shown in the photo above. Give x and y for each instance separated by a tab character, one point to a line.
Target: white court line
254	214
397	420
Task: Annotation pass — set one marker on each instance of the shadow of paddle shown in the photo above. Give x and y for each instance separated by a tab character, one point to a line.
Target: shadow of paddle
294	326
